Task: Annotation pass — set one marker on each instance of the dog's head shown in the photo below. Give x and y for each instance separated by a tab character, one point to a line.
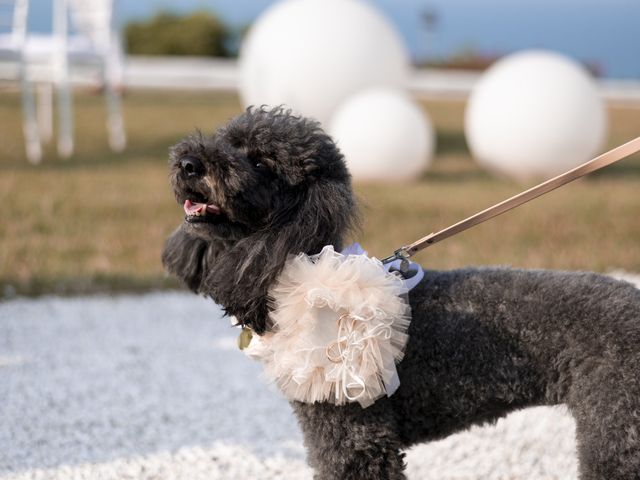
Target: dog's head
260	172
266	185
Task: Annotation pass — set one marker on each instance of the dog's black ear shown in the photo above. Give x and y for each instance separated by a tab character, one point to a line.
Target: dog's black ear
323	216
185	256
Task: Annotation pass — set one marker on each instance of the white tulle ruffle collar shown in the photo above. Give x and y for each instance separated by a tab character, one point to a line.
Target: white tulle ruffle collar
339	327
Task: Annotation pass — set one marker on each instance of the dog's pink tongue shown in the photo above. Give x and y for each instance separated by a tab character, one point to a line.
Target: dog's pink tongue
194	207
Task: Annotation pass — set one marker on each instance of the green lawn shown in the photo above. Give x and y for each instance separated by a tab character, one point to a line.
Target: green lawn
97	222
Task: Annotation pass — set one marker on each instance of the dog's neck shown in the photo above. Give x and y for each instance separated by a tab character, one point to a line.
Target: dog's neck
239	275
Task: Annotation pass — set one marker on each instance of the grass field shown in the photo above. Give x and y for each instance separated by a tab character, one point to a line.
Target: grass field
97	222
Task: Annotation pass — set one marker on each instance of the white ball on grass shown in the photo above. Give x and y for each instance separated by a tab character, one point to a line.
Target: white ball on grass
535	114
383	135
312	54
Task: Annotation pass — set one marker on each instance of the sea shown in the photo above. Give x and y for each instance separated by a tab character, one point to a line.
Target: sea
602	33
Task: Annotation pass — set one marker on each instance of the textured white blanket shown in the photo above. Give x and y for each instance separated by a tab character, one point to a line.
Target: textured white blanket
153	387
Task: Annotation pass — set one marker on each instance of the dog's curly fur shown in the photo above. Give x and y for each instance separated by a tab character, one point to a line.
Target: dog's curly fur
482	341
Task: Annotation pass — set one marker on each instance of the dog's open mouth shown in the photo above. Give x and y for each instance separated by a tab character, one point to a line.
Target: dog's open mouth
201	212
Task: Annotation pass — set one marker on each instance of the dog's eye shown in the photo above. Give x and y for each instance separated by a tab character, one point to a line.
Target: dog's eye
258	163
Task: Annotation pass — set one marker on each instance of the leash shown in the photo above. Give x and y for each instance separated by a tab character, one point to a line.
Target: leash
604	160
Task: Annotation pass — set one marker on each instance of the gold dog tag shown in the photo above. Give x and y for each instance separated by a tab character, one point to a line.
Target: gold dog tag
244	339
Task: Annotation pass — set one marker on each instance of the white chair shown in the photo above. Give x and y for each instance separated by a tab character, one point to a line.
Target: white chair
97	40
13	22
92	43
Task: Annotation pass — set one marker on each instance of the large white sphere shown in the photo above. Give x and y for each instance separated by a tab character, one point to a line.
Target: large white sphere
312	54
383	135
535	114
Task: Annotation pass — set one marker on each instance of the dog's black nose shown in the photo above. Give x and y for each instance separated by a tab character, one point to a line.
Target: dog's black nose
191	166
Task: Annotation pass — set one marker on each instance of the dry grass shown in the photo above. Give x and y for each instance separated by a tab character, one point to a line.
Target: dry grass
98	221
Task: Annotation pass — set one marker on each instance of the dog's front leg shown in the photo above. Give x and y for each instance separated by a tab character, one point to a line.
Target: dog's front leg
351	443
184	256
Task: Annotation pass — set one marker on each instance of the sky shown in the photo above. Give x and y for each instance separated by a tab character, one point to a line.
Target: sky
605	32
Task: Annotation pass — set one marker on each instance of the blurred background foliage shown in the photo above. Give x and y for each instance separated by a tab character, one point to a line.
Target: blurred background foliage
200	33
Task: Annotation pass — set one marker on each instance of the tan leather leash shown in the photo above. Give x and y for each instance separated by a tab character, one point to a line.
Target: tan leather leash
612	156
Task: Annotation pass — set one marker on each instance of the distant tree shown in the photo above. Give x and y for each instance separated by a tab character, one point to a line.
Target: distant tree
469	58
200	33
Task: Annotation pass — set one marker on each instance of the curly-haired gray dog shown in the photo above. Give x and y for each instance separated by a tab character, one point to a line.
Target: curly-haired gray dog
482	341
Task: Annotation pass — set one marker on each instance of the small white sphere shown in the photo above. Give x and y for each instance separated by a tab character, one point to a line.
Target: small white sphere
535	114
383	135
312	54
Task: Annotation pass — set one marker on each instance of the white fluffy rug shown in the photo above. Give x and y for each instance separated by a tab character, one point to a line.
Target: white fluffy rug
153	387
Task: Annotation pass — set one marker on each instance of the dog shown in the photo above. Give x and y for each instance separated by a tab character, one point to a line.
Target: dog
482	341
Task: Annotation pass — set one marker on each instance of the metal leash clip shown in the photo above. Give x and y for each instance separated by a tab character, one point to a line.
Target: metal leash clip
403	255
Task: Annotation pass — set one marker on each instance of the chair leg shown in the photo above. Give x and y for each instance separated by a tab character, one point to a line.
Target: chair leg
60	64
30	123
65	117
45	111
115	123
112	78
